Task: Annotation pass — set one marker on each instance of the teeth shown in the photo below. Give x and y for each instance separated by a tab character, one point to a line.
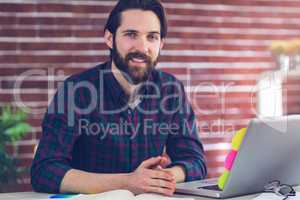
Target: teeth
138	60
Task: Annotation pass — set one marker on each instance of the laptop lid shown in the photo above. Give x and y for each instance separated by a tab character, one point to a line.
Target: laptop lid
270	151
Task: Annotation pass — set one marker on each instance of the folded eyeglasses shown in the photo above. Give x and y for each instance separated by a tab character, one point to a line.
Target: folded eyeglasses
280	189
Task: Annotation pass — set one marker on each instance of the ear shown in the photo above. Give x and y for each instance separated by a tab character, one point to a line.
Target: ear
162	42
108	38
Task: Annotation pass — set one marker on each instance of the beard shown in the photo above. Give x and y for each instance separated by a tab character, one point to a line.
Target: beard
133	74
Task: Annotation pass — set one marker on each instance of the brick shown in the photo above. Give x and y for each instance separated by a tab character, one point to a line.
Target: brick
237	2
61	46
190	35
216	140
18	33
233	71
11	7
214	59
24	97
185	46
223	82
233	25
8	46
223	13
8	20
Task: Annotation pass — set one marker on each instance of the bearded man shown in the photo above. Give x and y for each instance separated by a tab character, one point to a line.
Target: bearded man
123	124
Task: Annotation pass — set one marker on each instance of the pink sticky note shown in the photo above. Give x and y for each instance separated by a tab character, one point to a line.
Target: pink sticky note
230	159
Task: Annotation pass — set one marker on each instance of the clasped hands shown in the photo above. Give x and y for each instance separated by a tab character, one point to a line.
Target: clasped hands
152	177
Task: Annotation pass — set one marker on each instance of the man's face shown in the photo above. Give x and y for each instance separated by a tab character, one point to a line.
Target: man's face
136	44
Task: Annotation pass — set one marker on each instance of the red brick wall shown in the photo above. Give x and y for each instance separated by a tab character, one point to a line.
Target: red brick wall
219	47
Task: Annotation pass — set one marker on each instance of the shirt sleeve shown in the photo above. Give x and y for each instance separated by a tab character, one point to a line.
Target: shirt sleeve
183	145
54	153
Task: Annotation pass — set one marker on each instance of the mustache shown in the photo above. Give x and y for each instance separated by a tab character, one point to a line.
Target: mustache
138	55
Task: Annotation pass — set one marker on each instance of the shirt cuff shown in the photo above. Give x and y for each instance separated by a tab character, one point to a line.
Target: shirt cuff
49	179
60	173
191	173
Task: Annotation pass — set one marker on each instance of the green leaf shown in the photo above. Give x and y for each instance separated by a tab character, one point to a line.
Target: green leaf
18	131
9	117
20	115
12	128
6	117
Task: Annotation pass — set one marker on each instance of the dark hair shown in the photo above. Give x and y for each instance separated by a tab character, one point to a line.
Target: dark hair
114	19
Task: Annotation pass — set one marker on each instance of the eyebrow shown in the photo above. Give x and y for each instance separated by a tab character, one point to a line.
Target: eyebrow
135	31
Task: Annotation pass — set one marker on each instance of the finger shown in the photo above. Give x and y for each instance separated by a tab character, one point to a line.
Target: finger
160	174
158	167
161	190
167	171
162	183
151	162
165	162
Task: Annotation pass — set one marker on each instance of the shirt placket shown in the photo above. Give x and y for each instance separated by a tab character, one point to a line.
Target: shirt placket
133	141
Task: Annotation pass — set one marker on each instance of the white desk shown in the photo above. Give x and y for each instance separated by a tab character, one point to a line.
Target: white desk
40	196
43	196
203	198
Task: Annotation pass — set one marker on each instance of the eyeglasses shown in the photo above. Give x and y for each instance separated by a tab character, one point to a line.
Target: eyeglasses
280	189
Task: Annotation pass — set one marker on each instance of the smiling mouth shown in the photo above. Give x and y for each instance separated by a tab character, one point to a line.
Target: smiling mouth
138	60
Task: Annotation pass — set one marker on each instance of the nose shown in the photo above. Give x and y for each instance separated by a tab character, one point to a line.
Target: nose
142	45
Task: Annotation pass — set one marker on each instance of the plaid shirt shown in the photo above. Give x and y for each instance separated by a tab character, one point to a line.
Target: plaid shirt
89	126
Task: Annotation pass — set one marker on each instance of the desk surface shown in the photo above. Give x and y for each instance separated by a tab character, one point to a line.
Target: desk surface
42	196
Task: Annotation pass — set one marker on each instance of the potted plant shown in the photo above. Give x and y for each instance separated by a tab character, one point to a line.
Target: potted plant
287	54
12	128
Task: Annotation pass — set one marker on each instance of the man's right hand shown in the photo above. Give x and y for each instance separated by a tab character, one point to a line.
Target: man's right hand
147	179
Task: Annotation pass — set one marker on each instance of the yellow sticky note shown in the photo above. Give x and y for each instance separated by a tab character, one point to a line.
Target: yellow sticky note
223	179
238	138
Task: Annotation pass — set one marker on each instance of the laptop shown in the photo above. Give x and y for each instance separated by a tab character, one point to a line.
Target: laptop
269	151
